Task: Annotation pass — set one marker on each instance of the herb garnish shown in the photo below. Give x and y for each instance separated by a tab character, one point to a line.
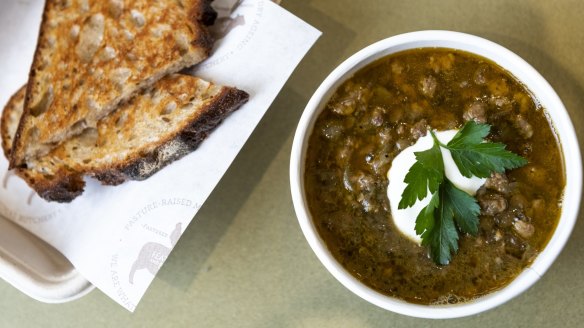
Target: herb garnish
450	209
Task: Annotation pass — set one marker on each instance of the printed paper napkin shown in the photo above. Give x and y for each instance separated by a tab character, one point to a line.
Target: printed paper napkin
119	237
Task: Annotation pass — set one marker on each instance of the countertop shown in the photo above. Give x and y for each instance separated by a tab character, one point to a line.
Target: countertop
244	262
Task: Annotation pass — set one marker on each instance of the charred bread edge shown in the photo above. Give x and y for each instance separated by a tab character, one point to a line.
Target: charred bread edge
69	185
202	14
205	13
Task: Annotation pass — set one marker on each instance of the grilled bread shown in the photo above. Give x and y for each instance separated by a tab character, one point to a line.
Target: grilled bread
145	134
93	55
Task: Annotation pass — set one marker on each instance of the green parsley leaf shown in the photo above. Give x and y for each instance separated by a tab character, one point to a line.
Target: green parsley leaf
471	133
435	223
443	238
426	174
425	221
472	156
465	208
450	209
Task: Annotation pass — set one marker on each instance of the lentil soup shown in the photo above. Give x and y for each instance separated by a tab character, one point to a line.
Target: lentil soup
383	109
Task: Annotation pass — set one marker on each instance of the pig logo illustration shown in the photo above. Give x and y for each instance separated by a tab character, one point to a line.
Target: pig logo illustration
152	254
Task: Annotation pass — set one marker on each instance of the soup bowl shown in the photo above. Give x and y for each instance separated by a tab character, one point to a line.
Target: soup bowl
533	81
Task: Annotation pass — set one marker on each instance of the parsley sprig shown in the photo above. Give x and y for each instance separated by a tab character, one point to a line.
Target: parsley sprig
452	210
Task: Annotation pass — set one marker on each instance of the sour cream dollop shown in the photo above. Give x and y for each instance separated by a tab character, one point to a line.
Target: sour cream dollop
405	219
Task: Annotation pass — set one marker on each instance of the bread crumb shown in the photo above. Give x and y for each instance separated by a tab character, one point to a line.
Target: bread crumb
107	54
159	29
115	8
169	108
120	76
74	31
182	41
84	5
128	35
90	38
138	18
92	104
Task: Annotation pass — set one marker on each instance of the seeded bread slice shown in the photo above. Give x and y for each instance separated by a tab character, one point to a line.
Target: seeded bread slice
145	134
93	55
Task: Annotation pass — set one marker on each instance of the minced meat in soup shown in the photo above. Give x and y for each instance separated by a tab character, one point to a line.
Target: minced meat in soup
385	108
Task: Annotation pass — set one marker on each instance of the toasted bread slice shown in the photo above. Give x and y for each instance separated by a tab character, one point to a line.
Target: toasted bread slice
145	134
93	55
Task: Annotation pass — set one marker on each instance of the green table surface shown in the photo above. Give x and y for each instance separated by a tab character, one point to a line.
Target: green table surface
244	262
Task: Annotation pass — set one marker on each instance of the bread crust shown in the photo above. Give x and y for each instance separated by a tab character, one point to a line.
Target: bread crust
201	14
12	111
15	158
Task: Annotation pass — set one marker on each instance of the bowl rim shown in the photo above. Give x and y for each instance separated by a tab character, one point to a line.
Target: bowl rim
534	82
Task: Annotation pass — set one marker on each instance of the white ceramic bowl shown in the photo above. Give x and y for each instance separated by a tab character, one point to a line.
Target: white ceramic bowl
522	71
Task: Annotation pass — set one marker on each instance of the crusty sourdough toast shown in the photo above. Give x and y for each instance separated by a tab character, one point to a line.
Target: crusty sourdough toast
145	134
93	55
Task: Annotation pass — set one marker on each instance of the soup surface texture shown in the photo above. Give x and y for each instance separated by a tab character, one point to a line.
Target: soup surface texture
386	107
